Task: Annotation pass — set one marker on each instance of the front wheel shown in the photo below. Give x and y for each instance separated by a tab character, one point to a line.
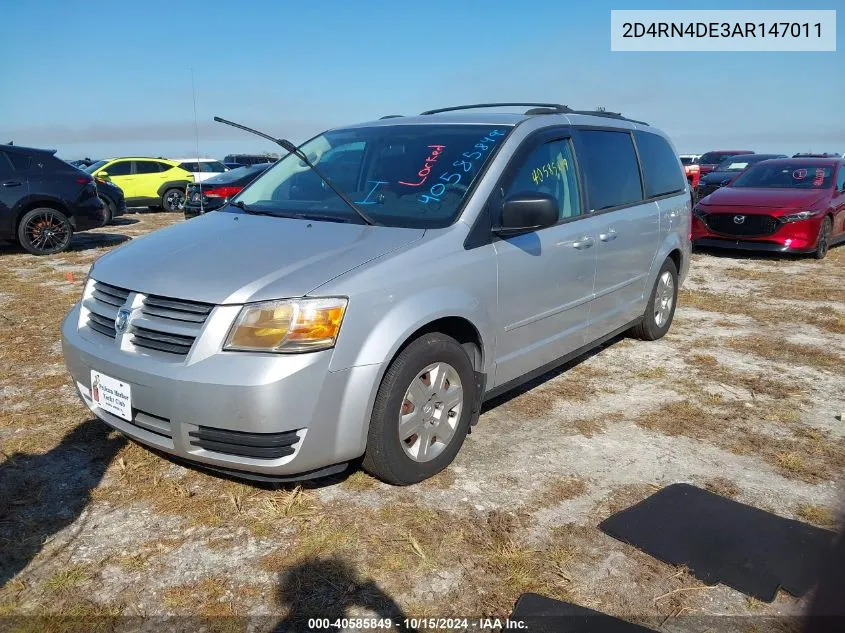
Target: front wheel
44	231
173	199
422	411
661	305
823	243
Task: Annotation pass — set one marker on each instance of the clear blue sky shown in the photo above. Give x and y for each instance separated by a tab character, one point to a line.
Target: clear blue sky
104	79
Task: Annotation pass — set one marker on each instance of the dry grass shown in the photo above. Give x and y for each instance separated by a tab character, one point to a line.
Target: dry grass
786	352
808	455
578	384
722	486
67	579
588	427
557	491
817	515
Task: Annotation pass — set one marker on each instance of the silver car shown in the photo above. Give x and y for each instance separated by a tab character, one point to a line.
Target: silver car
363	297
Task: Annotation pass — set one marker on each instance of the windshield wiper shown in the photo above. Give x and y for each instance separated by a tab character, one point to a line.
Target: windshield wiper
290	148
285	214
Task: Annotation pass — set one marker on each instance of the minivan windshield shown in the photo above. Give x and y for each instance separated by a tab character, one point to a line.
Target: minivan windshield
414	176
786	176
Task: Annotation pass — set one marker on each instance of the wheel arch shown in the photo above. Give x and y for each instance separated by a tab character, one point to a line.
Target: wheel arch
171	184
49	203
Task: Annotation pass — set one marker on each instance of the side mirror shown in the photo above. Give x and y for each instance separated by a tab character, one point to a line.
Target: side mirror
103	174
527	212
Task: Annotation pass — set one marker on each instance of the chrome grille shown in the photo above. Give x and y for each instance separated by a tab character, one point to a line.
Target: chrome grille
102	306
169	325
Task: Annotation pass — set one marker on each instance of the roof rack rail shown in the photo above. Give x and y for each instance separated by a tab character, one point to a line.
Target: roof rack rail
390	116
555	107
608	115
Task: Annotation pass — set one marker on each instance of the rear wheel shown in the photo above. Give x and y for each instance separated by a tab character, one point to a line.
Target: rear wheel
823	242
422	411
173	199
110	209
44	231
661	306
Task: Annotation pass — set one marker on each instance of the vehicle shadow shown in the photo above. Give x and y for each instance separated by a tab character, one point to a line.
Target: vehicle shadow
41	494
80	242
331	589
549	375
123	221
85	241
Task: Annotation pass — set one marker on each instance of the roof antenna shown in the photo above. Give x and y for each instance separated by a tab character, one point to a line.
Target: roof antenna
196	134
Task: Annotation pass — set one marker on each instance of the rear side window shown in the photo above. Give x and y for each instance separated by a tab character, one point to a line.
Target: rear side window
164	166
123	168
19	161
213	167
5	165
613	175
840	180
146	167
661	170
550	169
191	167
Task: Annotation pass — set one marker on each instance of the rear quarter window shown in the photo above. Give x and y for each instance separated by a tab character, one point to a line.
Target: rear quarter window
20	162
610	162
661	170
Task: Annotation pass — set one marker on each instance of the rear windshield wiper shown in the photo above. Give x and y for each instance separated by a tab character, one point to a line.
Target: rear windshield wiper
290	148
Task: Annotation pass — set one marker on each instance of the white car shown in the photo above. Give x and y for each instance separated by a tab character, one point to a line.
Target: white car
201	168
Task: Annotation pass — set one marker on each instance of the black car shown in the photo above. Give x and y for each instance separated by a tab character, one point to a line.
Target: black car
43	200
245	160
727	170
112	196
214	193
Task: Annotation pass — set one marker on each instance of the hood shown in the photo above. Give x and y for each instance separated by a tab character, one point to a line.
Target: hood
225	258
767	198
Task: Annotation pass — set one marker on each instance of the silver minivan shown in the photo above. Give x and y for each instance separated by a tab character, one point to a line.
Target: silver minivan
366	294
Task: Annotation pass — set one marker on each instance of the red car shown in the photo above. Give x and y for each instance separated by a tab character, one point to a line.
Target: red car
691	169
787	205
710	160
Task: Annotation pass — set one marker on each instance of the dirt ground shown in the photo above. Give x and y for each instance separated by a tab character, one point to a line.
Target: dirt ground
743	396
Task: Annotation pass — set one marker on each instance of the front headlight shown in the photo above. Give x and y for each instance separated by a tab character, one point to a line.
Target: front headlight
801	215
288	326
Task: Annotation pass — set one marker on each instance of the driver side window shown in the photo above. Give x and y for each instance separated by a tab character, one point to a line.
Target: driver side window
550	169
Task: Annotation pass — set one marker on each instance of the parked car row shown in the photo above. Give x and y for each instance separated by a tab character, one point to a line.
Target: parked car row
770	202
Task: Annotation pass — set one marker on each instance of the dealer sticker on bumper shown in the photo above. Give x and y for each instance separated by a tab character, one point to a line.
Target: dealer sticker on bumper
111	395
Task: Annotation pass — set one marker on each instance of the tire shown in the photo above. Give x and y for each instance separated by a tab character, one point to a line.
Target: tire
660	309
420	454
44	231
173	199
823	241
110	209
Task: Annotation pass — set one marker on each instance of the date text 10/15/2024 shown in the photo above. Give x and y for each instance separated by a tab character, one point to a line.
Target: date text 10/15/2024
445	624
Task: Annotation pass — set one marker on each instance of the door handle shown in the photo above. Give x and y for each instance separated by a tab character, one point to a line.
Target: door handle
12	183
608	237
584	242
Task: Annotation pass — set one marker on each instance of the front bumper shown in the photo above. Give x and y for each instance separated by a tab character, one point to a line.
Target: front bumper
237	392
794	237
747	245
